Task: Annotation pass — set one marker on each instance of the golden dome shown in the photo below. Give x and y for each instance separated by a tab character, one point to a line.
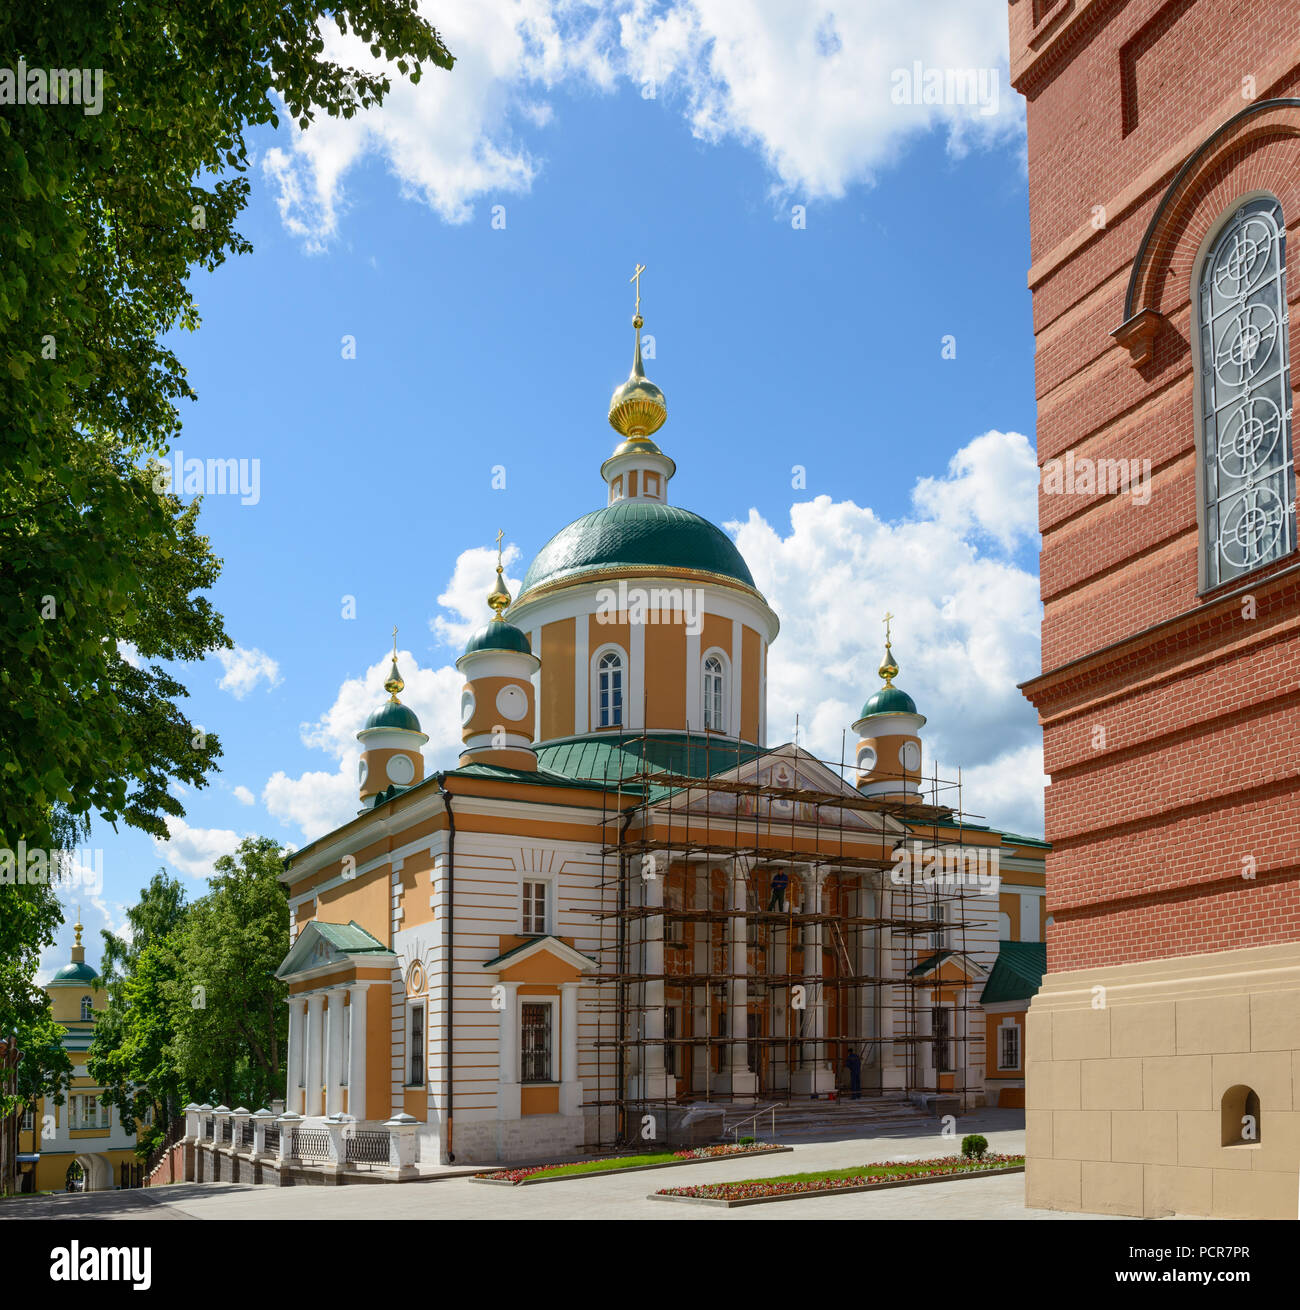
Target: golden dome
637	408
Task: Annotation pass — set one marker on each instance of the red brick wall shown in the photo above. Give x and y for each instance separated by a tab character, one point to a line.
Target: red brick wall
1152	825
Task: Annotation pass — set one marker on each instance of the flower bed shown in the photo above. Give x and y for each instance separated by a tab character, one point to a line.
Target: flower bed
888	1173
544	1173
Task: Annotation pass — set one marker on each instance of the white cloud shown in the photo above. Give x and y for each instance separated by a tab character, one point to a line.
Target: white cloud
467	591
243	795
966	631
810	87
244	669
194	850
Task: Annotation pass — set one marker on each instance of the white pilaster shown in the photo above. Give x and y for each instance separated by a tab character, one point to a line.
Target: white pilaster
737	671
508	1053
357	1053
570	1086
581	674
636	678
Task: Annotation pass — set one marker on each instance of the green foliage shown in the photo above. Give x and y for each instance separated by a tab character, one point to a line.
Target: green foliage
103	217
973	1146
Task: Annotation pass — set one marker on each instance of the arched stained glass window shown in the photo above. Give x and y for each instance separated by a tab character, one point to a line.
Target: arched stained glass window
609	693
1244	357
715	694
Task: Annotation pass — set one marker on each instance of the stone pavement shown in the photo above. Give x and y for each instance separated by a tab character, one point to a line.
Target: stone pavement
608	1197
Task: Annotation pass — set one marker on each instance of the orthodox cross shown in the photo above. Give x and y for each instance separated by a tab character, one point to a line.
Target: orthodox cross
500	534
394	640
636	277
887	619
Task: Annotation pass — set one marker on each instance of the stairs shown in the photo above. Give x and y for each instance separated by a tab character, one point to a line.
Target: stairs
820	1121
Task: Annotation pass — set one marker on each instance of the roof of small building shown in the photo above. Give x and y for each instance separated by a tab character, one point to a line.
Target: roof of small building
393	714
75	973
499	635
888	700
1017	973
350	937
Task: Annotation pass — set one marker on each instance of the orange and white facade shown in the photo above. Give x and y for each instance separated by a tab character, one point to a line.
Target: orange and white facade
454	943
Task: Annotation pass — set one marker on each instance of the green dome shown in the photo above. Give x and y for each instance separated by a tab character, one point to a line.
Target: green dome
393	714
639	534
76	973
499	635
889	700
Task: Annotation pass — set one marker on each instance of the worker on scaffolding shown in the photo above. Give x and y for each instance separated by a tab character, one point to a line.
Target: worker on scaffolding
853	1063
776	902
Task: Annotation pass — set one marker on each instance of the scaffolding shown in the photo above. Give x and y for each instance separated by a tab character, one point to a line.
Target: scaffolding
696	937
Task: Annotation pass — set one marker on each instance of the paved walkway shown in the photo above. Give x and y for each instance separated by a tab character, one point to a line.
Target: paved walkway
609	1197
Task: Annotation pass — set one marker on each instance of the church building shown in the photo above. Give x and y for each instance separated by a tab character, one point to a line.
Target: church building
624	907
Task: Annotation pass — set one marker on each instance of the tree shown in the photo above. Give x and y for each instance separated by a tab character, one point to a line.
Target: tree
114	188
228	1007
130	1054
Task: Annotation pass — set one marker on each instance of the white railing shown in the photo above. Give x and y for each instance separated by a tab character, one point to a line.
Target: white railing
753	1118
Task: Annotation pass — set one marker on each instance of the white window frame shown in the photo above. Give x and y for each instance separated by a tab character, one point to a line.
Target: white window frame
1212	578
1009	1024
557	1045
87	1008
609	648
716	653
411	1005
548	888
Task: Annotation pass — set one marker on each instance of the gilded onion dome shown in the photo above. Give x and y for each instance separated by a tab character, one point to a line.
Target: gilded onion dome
637	408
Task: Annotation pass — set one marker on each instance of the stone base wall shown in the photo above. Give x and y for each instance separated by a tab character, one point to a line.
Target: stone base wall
533	1137
1136	1075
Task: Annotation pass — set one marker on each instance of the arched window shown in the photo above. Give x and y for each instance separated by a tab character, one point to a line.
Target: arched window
1243	355
1239	1111
715	692
87	1008
609	689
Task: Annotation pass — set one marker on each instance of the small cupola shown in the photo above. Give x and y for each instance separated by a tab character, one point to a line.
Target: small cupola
498	701
391	758
888	756
638	469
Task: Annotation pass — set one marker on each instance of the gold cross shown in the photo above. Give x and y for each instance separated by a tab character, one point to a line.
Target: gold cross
636	277
887	619
394	640
500	534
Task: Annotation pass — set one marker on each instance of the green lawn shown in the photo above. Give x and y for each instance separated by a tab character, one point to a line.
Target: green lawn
600	1166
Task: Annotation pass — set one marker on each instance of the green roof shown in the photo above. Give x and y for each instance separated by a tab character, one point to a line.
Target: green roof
889	700
607	759
393	714
532	941
1017	974
75	973
350	937
636	534
498	635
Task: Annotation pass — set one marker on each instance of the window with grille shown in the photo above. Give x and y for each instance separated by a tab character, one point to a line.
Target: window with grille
415	1057
1245	395
1009	1046
87	1008
609	690
715	694
536	1045
535	907
942	1039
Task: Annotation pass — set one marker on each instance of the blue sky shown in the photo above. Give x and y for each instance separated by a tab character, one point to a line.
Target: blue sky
478	346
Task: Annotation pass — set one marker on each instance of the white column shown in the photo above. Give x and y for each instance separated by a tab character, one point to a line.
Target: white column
508	1052
581	675
741	1082
701	1055
314	1054
652	1081
334	1067
570	1084
297	1043
357	1053
634	701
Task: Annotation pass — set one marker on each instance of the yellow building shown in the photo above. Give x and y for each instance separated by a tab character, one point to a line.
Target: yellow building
82	1141
624	906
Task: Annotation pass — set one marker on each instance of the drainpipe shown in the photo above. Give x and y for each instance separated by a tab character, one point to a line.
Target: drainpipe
447	964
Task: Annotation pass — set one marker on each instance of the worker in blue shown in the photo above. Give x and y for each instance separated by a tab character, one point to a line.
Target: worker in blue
853	1063
780	881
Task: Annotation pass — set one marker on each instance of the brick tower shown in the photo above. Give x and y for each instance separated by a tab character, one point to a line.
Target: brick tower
1164	196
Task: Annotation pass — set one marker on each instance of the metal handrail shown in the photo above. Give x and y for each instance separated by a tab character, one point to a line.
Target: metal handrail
735	1131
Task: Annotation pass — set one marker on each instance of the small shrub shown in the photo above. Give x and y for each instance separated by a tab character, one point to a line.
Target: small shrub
973	1146
746	1141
